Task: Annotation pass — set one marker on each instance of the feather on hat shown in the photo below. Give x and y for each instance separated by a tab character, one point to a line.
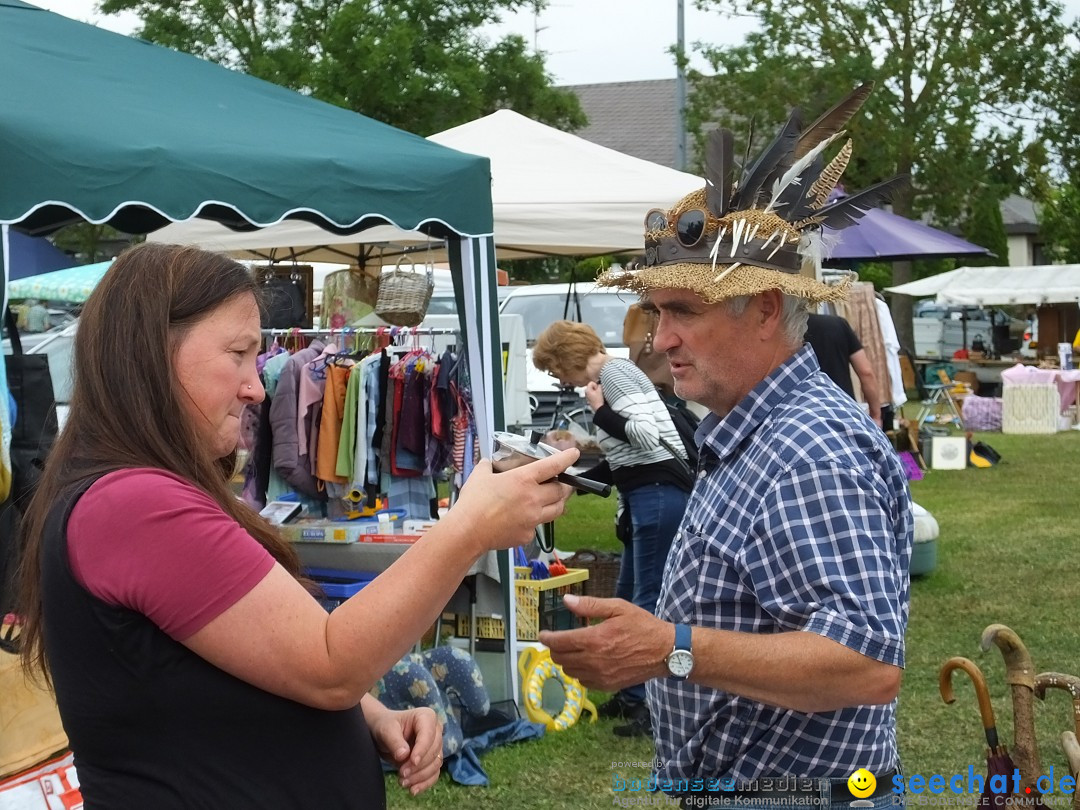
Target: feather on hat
765	231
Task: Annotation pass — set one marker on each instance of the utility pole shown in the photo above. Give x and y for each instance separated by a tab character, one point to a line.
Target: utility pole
680	91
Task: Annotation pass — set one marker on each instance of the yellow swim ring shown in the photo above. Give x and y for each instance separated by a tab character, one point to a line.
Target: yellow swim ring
536	668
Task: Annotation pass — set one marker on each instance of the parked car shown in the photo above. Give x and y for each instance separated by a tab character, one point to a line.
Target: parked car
540	305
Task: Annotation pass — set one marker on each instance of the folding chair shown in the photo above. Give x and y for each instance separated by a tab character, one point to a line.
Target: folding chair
945	393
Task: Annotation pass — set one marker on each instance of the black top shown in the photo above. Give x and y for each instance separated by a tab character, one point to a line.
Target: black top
834	342
153	725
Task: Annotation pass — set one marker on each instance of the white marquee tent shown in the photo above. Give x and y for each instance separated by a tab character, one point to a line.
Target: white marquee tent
996	286
553	193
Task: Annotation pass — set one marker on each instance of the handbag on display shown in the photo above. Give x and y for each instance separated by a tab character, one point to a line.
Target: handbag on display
404	295
32	434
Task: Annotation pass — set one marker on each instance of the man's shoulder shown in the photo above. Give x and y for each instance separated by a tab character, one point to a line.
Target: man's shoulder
819	422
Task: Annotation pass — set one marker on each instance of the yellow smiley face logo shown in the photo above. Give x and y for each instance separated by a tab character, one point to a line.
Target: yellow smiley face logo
861	783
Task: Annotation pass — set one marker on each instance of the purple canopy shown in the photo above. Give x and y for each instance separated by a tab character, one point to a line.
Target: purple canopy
881	235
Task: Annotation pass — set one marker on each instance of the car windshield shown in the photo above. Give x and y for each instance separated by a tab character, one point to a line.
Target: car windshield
603	311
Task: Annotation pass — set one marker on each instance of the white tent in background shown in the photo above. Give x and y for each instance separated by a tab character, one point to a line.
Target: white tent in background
553	193
996	286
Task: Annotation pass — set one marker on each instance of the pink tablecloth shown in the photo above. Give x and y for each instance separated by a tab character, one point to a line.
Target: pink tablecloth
1030	375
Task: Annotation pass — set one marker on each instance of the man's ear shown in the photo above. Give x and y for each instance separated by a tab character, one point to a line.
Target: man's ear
768	312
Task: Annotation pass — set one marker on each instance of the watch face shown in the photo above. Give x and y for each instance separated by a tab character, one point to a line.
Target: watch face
680	662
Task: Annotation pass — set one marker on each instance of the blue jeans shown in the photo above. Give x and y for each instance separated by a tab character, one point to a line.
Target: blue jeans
655	513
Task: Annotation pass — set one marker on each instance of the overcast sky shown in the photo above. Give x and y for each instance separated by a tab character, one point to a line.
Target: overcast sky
586	41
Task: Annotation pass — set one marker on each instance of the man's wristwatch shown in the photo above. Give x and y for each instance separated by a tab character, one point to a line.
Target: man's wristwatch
680	660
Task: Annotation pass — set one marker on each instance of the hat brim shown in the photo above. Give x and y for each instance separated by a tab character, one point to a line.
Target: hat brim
745	279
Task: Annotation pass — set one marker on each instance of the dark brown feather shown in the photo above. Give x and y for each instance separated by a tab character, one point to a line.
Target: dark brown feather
719	170
833	120
847	210
777	154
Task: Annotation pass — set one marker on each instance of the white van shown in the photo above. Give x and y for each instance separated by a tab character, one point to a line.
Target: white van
540	305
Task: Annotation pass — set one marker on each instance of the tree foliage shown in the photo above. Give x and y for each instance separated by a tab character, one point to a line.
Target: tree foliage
420	65
1060	132
959	84
1059	225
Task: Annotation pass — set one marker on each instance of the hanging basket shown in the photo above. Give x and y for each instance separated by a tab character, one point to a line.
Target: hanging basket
404	295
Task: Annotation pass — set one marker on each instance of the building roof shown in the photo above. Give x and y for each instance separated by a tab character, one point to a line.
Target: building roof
1019	215
636	118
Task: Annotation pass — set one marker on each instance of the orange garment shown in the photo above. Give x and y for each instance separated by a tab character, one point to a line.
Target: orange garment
333	411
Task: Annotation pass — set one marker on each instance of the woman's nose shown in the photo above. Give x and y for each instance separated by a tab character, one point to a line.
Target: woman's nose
253	391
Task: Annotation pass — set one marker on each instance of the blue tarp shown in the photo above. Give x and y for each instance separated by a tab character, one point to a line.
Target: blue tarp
33	255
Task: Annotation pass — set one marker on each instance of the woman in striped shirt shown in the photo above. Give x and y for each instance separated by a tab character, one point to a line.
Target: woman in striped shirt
648	465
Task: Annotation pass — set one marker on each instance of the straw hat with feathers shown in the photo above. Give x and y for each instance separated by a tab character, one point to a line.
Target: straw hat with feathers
765	231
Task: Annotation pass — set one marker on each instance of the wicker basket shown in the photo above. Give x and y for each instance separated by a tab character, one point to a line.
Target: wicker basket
603	568
404	296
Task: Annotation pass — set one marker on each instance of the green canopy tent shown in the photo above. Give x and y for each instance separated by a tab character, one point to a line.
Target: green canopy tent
103	128
72	285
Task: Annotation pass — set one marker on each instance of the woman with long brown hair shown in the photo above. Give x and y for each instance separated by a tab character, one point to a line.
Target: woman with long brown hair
192	668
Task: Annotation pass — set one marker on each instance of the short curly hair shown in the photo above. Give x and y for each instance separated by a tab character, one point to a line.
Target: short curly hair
565	348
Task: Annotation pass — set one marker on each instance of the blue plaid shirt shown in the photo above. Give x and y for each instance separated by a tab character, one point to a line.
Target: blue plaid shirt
800	519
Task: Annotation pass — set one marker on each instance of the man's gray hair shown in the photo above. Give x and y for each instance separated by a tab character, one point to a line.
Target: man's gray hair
793	318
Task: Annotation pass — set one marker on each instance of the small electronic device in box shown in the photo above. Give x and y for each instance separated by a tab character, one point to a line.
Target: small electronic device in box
279	512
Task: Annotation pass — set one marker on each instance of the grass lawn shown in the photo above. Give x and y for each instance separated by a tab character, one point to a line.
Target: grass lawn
1005	556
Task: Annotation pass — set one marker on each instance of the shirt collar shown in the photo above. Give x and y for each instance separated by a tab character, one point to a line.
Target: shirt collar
723	435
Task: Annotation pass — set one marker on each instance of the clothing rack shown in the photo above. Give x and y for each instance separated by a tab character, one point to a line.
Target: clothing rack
389	331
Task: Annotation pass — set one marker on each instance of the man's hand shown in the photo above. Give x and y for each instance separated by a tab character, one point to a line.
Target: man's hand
627	647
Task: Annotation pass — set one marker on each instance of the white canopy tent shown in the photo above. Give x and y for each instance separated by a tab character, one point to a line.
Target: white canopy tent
996	286
553	193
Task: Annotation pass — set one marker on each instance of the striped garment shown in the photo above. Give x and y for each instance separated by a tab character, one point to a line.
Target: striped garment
632	395
800	520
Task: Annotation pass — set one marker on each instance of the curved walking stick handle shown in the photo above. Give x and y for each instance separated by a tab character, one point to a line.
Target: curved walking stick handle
1020	674
982	692
1019	670
1058	680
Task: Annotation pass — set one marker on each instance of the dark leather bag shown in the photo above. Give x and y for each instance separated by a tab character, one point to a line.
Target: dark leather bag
32	437
638	329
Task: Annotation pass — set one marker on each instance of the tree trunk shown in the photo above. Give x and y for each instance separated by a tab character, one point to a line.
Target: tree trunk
901	307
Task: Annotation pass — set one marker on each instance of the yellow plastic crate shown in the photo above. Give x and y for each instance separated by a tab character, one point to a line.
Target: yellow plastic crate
539	606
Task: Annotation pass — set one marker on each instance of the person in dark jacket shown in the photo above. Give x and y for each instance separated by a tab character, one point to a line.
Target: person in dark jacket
839	352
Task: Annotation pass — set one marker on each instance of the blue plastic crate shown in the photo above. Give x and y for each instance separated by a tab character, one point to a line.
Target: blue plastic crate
338	585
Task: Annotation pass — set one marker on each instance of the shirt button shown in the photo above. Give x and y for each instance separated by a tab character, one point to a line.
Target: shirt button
701	473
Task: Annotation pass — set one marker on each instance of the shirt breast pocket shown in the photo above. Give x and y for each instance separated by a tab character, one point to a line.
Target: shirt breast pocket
678	595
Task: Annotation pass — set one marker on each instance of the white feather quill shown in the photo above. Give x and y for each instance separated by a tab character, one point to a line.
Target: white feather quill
793	175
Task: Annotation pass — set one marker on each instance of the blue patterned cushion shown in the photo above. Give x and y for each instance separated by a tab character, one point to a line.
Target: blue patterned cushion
431	679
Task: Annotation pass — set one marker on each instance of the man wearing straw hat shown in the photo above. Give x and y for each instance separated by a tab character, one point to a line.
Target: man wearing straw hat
775	656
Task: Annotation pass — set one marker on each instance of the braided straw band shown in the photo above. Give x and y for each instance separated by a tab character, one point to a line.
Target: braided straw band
746	279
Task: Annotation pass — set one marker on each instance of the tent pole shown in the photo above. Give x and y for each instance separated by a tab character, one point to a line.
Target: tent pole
5	415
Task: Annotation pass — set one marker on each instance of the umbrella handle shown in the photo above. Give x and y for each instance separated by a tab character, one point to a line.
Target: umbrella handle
982	692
